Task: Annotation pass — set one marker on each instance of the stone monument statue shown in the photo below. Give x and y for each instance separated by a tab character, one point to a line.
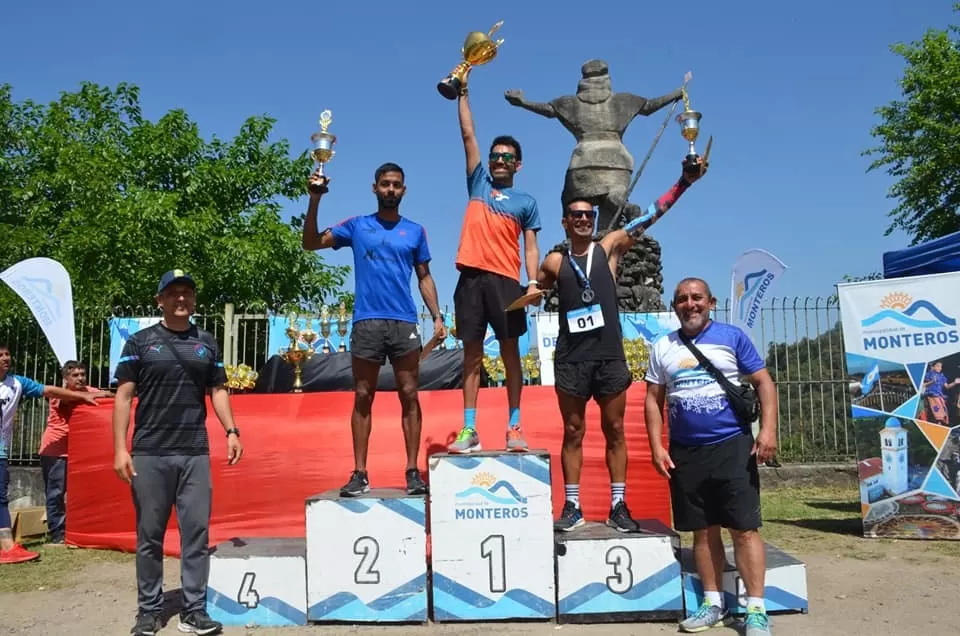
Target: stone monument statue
601	168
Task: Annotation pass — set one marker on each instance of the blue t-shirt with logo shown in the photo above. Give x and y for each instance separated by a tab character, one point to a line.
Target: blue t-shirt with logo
384	255
699	412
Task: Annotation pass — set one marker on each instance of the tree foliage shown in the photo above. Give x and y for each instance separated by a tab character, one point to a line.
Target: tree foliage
920	137
118	199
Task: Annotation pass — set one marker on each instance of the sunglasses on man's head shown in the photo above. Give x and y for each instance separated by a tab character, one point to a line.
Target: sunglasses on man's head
578	214
508	157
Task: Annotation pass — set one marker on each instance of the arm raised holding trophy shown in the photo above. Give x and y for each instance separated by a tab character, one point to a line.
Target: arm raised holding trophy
489	255
387	248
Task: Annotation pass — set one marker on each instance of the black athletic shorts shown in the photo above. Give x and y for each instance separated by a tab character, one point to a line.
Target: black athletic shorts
596	378
480	299
715	485
376	340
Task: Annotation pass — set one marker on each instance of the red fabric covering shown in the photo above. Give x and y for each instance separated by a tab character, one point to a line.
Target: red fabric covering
297	445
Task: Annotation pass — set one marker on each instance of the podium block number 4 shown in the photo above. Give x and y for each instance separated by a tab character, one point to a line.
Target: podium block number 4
622	579
369	551
247	596
493	548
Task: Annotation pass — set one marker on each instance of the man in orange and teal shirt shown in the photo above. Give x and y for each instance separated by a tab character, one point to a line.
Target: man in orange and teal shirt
489	262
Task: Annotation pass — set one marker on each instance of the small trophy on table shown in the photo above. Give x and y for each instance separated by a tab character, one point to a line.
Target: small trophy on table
479	48
296	355
342	327
325	328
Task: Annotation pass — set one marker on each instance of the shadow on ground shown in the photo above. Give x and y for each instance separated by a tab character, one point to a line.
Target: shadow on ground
846	527
852	507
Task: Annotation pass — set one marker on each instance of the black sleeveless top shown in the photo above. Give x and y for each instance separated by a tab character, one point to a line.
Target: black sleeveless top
605	343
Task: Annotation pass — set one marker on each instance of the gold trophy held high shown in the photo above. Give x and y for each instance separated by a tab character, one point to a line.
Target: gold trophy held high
323	142
689	121
479	48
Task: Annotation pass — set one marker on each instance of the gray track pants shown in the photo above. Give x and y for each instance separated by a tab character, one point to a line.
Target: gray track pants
164	481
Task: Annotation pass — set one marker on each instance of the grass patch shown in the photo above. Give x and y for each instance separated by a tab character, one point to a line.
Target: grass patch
56	567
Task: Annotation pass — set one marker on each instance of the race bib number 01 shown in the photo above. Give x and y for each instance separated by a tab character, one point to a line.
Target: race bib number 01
586	319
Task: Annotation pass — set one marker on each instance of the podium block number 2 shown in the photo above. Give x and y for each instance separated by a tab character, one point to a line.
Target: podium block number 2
621	560
369	551
247	596
493	548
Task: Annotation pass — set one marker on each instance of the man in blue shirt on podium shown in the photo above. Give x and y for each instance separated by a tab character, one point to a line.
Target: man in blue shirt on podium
387	248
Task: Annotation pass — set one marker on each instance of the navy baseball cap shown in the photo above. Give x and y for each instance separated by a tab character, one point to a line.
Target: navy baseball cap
175	276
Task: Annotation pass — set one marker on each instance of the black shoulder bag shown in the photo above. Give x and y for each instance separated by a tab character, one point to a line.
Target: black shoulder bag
743	399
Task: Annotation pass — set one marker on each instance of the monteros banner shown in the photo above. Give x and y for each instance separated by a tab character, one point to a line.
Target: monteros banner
903	361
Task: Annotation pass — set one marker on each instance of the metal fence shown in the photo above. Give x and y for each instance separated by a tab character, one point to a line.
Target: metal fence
799	338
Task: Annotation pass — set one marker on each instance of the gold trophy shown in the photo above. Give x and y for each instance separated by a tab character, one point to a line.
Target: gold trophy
325	328
323	142
689	121
479	48
294	353
342	327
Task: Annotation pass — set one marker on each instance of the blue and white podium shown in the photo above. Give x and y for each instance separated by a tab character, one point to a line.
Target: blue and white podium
491	523
260	582
785	583
366	558
604	575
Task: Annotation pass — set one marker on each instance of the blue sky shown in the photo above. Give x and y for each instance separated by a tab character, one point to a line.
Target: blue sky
787	91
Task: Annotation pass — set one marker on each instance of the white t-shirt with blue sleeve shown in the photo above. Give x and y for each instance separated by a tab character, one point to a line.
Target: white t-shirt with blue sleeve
698	410
12	389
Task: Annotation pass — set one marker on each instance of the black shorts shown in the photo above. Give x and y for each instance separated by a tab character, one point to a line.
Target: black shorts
596	379
376	340
715	485
480	299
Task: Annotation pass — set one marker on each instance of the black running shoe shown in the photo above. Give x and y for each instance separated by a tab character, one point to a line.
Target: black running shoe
198	623
358	485
621	520
415	483
570	519
147	625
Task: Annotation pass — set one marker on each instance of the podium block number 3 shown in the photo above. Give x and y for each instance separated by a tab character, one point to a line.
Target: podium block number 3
247	596
621	560
494	548
369	551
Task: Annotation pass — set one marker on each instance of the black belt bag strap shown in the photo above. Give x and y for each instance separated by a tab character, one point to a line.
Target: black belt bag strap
743	399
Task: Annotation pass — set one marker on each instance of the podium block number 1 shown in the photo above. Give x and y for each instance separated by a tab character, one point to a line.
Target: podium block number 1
494	549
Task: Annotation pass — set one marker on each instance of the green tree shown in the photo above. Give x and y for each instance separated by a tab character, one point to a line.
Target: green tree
920	137
118	199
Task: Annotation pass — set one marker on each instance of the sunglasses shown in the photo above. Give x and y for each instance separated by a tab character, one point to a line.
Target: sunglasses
579	214
508	157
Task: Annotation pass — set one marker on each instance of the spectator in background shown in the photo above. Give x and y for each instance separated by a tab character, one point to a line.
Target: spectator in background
53	449
12	389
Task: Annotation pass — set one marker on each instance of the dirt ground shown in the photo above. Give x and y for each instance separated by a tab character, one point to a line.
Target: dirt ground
849	594
855	585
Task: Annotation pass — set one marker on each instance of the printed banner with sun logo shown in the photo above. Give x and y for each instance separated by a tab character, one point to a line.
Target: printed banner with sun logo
903	362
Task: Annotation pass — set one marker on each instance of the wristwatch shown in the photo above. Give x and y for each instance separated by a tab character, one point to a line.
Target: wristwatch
234	430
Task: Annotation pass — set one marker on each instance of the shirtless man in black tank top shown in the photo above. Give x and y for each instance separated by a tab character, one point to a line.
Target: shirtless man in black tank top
589	360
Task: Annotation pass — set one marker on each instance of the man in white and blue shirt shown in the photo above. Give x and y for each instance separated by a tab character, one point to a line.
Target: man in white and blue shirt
713	456
14	388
